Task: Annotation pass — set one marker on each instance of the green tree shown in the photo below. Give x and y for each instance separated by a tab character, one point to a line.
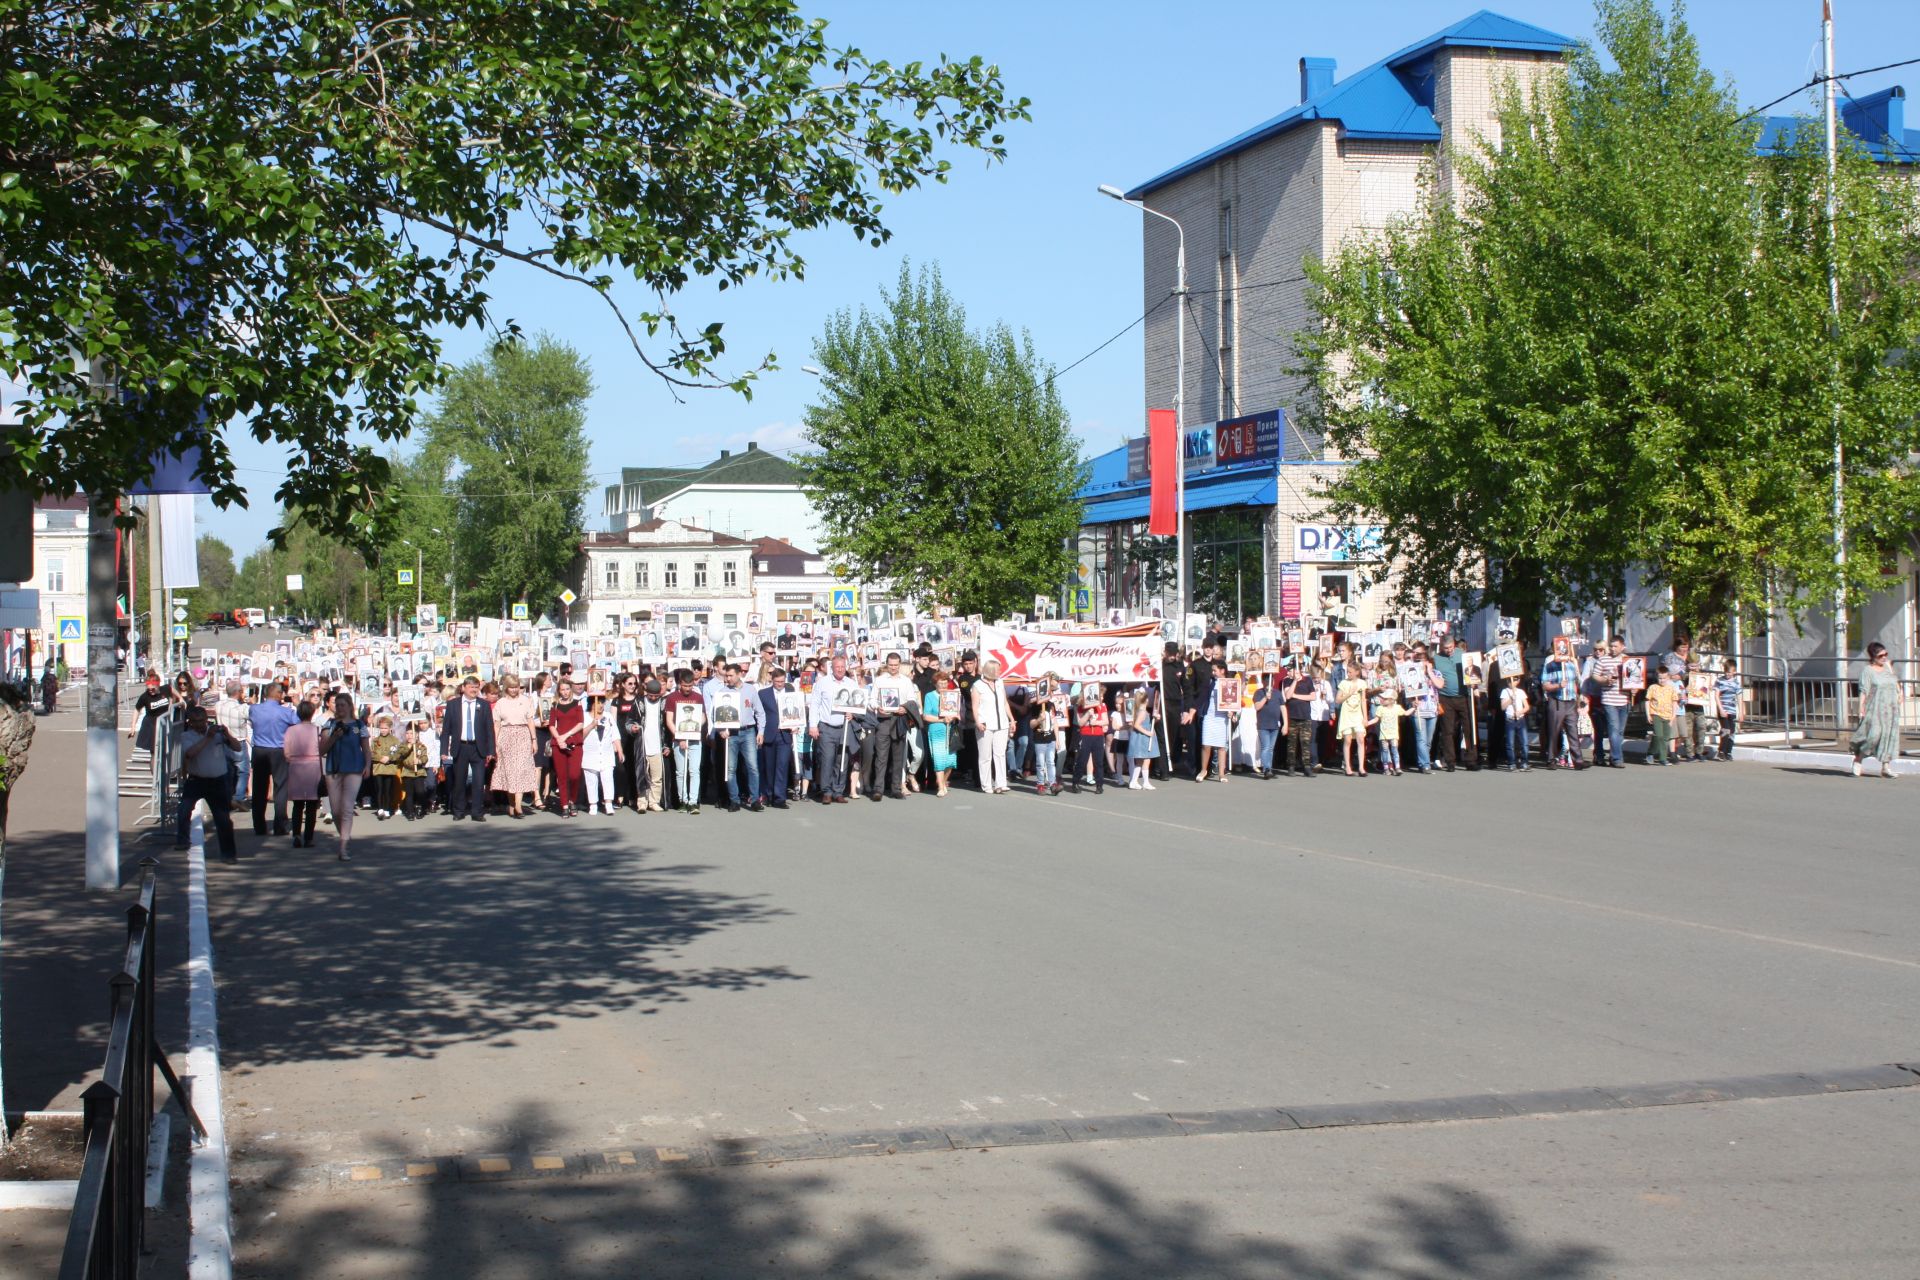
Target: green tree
217	573
418	535
1613	351
508	435
943	463
268	210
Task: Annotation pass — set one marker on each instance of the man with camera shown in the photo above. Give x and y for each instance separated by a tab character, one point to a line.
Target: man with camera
203	765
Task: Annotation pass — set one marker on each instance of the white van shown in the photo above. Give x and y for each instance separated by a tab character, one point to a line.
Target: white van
251	617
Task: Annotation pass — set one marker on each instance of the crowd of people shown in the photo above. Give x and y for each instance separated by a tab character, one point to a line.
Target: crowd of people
763	732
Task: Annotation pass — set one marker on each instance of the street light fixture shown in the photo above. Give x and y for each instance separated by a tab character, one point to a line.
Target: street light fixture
1179	390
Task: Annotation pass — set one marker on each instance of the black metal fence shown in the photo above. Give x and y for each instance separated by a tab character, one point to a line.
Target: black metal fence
108	1229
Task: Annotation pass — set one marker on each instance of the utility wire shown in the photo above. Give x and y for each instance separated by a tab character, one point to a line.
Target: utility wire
1820	80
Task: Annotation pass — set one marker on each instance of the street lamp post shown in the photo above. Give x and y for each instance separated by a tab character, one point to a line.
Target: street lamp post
1179	391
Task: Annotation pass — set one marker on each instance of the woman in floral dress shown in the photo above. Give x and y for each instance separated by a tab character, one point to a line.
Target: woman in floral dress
1877	732
513	716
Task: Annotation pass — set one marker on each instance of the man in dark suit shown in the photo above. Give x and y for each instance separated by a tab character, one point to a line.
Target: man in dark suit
776	745
466	744
1173	704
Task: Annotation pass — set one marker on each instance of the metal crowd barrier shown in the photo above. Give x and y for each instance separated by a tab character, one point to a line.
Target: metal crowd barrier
108	1228
1816	697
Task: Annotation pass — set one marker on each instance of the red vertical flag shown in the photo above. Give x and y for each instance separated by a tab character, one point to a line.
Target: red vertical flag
1163	457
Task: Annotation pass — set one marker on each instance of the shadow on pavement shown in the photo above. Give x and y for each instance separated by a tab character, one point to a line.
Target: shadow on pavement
804	1222
61	943
449	933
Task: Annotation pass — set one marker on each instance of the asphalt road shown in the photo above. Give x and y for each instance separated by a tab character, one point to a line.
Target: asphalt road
665	979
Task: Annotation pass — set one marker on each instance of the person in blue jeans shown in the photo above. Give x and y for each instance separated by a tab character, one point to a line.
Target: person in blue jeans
1514	710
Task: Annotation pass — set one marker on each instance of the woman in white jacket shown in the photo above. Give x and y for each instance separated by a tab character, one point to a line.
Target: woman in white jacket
600	755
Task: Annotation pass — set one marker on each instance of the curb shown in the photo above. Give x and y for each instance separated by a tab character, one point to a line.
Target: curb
732	1152
209	1207
1838	761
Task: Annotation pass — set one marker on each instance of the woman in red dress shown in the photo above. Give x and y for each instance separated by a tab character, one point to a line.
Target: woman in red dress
568	722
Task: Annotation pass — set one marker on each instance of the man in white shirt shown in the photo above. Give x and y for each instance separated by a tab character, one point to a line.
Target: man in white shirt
740	742
830	705
992	718
233	715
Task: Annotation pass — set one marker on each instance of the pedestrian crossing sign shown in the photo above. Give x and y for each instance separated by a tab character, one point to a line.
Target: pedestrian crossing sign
519	611
179	631
1082	600
406	577
843	600
71	630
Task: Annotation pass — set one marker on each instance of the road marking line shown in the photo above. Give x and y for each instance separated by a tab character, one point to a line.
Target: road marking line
1561	899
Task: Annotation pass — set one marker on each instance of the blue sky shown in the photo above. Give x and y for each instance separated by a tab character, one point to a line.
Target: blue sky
1116	98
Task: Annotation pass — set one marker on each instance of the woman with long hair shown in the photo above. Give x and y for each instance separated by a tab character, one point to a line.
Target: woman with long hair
345	750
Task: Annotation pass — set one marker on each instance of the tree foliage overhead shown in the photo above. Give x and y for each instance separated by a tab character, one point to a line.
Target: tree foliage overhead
1615	351
944	463
266	210
508	434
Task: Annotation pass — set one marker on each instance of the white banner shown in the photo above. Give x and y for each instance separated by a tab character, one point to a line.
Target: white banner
1123	655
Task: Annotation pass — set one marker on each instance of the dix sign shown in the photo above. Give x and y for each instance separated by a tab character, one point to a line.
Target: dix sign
1336	542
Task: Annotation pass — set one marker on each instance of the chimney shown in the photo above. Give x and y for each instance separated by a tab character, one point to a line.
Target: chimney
752	447
725	454
1316	77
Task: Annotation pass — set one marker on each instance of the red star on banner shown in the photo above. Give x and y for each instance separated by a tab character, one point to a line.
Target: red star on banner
1013	662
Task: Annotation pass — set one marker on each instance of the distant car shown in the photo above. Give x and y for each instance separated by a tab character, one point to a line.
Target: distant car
250	618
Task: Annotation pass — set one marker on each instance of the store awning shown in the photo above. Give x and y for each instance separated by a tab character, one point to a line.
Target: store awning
1258	489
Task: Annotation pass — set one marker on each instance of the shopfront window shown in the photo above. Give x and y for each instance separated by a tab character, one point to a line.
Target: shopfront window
1229	550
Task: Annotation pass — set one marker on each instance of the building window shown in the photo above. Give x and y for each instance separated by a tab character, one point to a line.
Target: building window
699	575
729	620
1226	229
763	566
1229	384
610	575
670	575
642	575
700	619
1228	547
729	574
56	573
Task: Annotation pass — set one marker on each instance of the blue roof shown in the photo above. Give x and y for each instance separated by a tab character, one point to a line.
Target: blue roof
1392	99
1877	120
1108	495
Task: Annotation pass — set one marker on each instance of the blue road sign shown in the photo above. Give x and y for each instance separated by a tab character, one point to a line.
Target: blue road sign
72	630
842	600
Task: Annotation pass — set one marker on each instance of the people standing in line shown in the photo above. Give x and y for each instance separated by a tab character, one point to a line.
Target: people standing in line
1173	708
1301	693
1514	710
1143	743
1389	712
1560	685
410	772
894	697
1047	732
1091	749
344	748
568	721
304	775
1606	671
1679	662
270	718
1457	722
600	757
776	743
385	754
624	711
1876	730
467	743
1726	688
689	732
203	764
831	702
740	744
652	741
515	716
1663	703
941	707
1351	693
154	702
992	718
